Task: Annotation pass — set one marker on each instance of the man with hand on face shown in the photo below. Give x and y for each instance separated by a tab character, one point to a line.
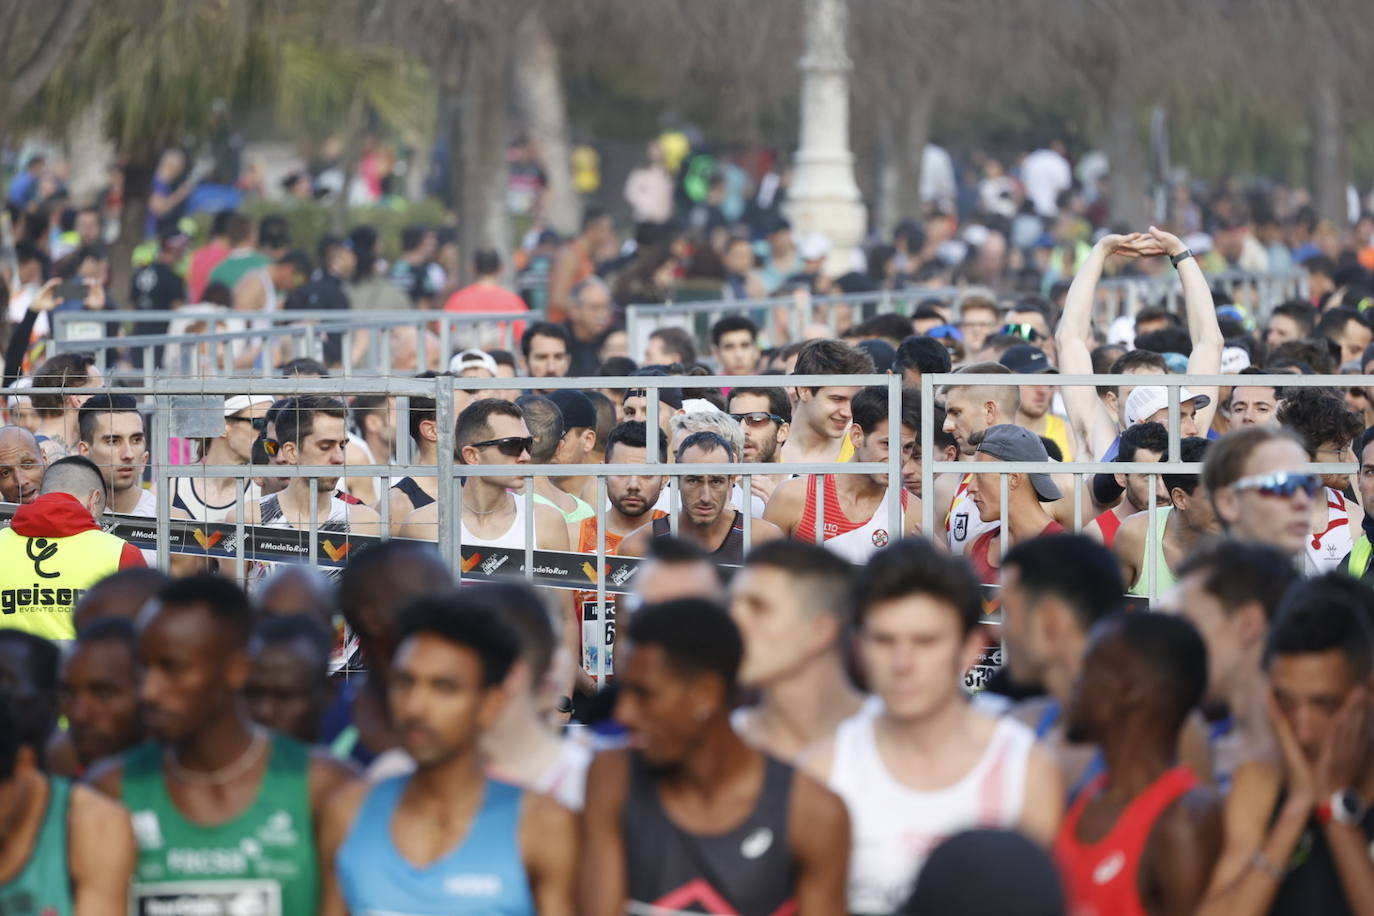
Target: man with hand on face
447	839
707	518
21	465
1299	828
211	780
857	508
1143	836
112	435
821	418
691	818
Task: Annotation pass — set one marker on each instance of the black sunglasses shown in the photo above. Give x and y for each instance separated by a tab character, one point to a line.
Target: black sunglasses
510	446
756	418
1026	332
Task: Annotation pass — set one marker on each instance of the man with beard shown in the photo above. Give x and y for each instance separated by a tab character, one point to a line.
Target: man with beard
765	415
1144	442
21	465
631	498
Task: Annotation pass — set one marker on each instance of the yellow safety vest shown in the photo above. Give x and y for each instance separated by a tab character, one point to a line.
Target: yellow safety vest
1357	563
42	578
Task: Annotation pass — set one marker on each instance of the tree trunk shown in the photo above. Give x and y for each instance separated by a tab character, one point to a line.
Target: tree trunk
539	89
352	153
483	221
139	166
1326	117
1125	153
885	178
912	136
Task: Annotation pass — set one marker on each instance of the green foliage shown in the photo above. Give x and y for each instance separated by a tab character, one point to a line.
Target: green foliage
310	221
319	84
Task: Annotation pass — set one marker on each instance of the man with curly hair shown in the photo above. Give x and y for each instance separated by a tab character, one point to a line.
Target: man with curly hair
1327	427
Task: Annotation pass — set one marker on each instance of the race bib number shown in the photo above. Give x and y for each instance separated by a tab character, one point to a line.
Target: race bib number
598	638
206	898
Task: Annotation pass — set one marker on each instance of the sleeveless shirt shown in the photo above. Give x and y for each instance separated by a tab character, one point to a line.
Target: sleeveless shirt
44	886
262	860
1101	877
855	541
484	875
730	551
747	870
963	525
513	537
1164	576
185	498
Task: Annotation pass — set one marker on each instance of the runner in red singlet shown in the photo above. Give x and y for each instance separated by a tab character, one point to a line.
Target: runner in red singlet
1145	836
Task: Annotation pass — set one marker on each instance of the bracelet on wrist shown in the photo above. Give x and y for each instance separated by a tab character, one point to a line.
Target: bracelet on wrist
1265	865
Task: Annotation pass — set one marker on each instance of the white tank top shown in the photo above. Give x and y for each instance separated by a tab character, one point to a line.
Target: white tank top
1326	549
186	498
895	828
856	543
513	537
963	525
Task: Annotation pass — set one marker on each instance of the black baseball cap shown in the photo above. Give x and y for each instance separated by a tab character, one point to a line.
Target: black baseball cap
1024	358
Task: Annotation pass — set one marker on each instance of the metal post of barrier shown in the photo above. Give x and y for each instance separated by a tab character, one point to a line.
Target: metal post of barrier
927	455
818	495
530	530
1174	419
1152	533
314	522
896	523
601	643
240	565
447	422
162	460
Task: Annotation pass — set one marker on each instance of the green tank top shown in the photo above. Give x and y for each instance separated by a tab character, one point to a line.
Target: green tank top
1164	577
261	862
580	510
44	887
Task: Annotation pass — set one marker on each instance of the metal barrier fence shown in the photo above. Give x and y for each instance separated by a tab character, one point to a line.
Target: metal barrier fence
1171	463
363	338
785	318
194	408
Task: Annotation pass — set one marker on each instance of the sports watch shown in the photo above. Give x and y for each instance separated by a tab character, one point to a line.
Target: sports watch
1177	259
1343	807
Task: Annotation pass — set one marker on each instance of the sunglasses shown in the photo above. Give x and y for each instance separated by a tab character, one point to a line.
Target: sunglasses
1026	332
270	447
1281	485
511	446
756	418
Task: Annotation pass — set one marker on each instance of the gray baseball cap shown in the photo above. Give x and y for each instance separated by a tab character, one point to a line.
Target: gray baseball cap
1006	442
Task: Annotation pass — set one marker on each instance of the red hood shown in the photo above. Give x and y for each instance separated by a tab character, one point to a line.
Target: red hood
52	515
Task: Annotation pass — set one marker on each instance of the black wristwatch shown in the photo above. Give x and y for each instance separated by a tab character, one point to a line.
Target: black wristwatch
1177	259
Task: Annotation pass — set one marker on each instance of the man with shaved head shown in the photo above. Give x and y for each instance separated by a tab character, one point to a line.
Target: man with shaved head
122	594
21	465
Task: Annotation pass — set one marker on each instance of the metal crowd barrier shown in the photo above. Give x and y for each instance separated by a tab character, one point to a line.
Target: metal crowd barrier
1172	463
228	540
304	331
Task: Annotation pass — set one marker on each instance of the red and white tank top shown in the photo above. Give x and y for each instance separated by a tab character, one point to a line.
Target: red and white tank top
1101	878
963	525
1326	548
855	541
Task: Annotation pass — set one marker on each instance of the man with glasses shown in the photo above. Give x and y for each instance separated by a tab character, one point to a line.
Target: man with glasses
979	319
1259	485
765	415
1029	320
491	431
707	517
857	506
1326	427
211	499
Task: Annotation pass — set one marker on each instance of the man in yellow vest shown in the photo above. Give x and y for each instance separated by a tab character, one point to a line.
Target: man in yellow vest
53	551
1357	562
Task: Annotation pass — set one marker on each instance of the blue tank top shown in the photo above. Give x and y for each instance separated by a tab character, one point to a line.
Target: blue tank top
483	876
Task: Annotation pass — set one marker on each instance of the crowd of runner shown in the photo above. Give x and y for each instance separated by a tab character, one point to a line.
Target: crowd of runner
1182	722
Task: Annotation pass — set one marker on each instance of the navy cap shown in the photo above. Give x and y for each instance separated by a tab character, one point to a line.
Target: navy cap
578	411
1025	359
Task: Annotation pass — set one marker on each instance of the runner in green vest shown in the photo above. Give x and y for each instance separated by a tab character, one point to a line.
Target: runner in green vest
64	848
223	810
1357	562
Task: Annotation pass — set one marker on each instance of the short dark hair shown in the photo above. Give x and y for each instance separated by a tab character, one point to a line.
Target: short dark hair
1075	569
887	326
1318	417
1172	339
616	365
1312	351
926	355
1331	612
225	601
1238	572
298	261
99	405
676	340
823	577
671	549
486	261
912	566
606	417
502	357
1139	359
544	329
1192	448
1333	322
109	629
390	572
474	421
303	365
421	407
295	420
634	433
706	441
413	236
1302	314
529	618
307	628
869	408
274	231
696	636
831	357
779	404
731	323
1169	645
544	420
1155	313
65	370
1149	436
464	621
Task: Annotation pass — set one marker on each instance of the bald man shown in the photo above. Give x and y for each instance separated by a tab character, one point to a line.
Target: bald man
21	465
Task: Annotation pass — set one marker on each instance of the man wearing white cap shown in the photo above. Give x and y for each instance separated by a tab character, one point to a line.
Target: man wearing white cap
209	499
1151	403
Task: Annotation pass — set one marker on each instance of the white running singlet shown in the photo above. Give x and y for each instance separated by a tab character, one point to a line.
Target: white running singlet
963	524
513	537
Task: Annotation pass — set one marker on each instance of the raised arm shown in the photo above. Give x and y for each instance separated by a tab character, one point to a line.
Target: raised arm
1202	320
1074	342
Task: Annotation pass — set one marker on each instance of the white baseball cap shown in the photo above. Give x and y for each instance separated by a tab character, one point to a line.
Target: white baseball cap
1147	400
469	359
239	402
1234	359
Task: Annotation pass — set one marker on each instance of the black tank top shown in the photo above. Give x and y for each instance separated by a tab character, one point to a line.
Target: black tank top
746	871
730	551
418	498
1311	883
